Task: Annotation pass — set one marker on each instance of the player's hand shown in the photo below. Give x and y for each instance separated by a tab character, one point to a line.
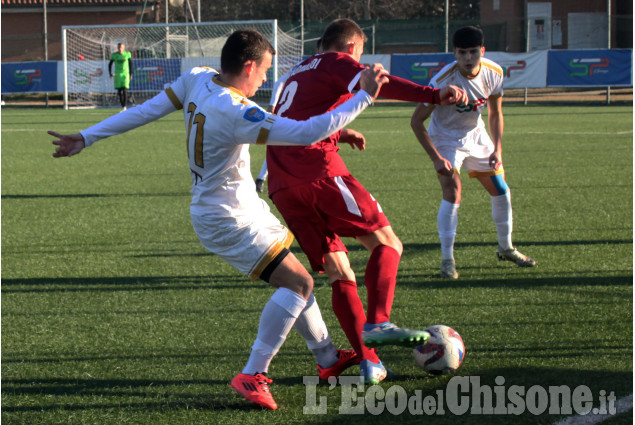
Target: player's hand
372	79
353	138
451	95
67	144
495	160
443	166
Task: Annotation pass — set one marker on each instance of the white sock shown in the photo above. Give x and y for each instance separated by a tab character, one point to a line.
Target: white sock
313	329
263	171
502	215
276	321
447	221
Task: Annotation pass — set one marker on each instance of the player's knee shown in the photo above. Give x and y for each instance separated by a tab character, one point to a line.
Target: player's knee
304	284
500	185
396	244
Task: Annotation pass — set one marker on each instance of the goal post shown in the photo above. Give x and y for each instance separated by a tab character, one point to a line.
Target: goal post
160	53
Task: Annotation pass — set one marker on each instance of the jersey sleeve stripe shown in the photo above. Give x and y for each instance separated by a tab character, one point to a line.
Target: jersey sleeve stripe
173	98
263	135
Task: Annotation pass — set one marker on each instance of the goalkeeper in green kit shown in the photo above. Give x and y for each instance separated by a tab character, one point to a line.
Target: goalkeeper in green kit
123	72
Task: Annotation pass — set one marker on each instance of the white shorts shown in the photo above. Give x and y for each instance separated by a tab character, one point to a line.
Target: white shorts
474	155
248	245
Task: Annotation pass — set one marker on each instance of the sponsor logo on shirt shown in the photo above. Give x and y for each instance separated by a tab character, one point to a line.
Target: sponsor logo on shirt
471	107
254	114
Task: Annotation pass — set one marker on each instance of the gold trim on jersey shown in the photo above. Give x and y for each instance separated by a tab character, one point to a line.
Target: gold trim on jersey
263	135
272	252
447	73
236	94
486	173
173	98
493	67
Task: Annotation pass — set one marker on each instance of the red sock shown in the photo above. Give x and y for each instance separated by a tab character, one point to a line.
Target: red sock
381	279
350	312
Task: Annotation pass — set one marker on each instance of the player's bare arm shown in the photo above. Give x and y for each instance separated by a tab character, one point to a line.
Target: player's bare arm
67	144
496	124
422	112
451	95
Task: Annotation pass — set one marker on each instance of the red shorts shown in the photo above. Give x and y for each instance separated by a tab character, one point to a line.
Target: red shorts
319	212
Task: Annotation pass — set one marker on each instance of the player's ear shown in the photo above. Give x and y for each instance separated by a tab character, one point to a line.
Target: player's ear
249	66
350	48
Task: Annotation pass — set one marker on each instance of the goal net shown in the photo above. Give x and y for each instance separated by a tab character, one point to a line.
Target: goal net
160	53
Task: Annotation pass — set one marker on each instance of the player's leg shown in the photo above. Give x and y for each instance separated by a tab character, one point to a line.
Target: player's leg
120	96
447	222
349	310
447	216
352	211
381	280
309	228
124	98
347	305
495	184
276	320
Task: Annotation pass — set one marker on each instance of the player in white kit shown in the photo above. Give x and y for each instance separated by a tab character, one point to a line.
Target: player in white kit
456	137
227	215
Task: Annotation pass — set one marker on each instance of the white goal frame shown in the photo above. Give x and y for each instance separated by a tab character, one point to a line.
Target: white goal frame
195	49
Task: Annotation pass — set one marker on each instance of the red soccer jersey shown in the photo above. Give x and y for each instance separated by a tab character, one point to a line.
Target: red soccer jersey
318	85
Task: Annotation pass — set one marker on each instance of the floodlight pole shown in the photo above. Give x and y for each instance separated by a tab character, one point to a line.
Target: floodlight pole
46	41
302	28
447	24
608	17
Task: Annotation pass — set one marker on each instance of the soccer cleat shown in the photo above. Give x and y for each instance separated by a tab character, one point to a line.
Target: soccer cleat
390	334
372	373
255	388
448	269
513	255
260	185
345	359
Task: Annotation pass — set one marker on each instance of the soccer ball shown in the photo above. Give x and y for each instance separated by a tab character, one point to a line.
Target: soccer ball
443	353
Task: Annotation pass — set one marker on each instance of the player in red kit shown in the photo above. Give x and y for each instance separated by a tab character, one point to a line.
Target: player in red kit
321	201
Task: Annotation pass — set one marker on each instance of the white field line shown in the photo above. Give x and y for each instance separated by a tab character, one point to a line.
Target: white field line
622	405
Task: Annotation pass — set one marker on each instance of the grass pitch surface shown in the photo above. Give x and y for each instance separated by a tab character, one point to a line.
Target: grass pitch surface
113	313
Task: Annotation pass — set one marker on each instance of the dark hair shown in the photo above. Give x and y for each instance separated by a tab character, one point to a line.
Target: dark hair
339	33
243	46
467	37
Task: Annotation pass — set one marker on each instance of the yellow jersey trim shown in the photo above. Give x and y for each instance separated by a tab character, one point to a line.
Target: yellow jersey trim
173	98
494	68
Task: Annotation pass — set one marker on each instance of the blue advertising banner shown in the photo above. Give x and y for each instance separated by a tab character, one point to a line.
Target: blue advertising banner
29	77
419	68
590	68
154	74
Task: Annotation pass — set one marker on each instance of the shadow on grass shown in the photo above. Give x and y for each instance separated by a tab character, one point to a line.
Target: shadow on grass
92	195
131	283
477	391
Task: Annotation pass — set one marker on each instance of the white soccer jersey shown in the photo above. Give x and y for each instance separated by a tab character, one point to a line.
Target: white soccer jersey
220	122
460	125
